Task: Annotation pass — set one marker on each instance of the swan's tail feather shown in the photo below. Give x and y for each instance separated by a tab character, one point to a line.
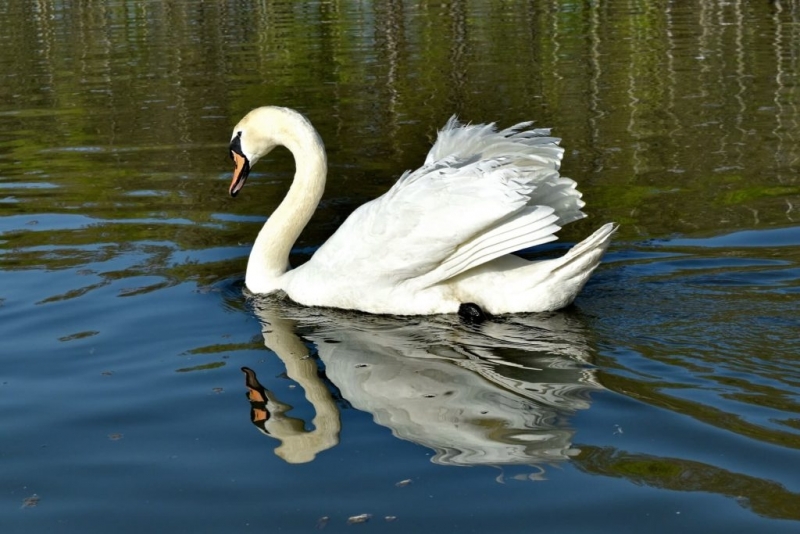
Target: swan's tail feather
516	285
584	257
555	283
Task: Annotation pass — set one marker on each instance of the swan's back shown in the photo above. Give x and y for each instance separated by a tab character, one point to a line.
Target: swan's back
480	195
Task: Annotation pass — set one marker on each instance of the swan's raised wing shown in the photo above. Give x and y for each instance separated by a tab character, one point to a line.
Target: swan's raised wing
481	194
531	150
526	146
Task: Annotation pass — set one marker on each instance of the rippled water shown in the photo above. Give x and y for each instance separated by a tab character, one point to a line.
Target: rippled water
667	399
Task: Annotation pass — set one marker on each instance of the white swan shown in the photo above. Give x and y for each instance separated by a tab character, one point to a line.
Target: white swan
442	236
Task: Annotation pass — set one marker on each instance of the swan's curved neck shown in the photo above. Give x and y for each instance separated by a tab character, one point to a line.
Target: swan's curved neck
269	259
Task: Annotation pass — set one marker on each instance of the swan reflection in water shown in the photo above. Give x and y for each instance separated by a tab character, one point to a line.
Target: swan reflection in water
498	393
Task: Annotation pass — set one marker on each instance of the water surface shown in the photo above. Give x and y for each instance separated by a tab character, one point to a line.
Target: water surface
666	399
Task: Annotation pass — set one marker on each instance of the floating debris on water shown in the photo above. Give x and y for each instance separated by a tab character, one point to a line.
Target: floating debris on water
79	335
362	518
30	502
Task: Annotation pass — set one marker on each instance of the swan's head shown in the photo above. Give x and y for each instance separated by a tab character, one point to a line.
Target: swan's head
252	139
263	129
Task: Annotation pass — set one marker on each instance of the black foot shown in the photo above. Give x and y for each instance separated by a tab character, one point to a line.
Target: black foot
471	313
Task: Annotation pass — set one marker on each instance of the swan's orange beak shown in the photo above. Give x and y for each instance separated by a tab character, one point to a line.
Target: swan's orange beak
240	171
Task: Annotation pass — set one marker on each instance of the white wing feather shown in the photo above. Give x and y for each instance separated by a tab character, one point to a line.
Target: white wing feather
481	194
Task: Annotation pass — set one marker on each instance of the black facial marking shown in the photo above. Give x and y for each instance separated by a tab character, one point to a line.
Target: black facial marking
236	145
241	177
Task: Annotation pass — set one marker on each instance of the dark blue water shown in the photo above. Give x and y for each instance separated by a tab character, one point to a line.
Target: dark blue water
666	399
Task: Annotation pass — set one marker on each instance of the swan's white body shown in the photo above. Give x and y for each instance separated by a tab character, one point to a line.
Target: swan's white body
441	236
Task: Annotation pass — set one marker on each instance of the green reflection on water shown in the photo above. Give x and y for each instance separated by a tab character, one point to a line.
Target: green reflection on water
659	106
763	497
